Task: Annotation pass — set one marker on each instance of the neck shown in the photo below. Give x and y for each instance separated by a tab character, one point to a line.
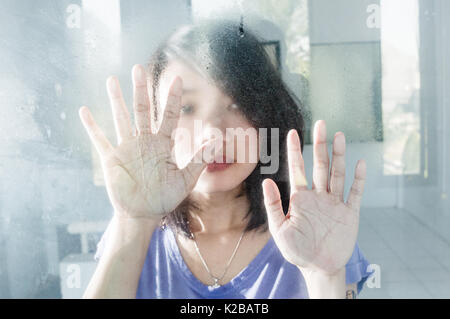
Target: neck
219	212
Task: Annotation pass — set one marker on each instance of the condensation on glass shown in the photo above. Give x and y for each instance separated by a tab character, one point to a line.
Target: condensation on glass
376	70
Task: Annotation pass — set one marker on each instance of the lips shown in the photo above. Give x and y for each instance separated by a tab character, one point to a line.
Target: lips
219	164
223	159
214	167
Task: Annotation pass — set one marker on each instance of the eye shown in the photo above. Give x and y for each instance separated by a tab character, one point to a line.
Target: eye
233	107
187	109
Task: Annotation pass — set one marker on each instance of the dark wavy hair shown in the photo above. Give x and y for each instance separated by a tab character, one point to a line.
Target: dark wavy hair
236	61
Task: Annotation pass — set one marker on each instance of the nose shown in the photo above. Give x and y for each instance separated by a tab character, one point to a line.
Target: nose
210	131
213	126
215	129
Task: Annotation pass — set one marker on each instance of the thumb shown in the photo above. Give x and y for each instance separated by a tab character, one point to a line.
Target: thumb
272	202
192	171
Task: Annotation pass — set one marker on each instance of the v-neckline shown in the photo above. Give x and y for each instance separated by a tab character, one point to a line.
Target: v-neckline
234	283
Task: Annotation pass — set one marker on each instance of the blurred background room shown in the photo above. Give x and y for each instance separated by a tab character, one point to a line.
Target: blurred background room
376	70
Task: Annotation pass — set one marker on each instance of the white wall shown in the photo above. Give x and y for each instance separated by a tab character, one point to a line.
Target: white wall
429	201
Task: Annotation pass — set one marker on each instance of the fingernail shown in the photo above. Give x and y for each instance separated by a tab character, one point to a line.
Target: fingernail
362	164
113	87
140	75
85	115
296	137
321	131
177	86
269	193
339	137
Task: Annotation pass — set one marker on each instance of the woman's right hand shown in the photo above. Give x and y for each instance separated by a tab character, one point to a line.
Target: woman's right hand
142	179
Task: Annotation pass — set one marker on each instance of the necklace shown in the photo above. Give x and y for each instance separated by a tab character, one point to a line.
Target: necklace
216	280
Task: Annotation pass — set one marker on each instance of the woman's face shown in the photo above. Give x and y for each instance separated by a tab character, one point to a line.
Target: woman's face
208	113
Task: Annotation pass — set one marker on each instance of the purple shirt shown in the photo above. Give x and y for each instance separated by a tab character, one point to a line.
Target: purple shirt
267	276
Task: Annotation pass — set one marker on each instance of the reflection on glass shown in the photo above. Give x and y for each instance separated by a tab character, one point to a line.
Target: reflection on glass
387	93
285	22
401	86
291	16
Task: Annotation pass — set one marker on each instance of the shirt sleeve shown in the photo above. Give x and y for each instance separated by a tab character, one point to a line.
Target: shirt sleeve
102	242
356	269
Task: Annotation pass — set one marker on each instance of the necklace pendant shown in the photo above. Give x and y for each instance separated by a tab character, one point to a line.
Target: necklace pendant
216	285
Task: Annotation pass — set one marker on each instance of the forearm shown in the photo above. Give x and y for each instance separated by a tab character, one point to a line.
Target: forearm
118	271
321	286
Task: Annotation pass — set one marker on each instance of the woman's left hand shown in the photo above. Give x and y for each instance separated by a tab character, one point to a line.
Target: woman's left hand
319	231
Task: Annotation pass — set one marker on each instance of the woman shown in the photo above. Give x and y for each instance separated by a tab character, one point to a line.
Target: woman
223	230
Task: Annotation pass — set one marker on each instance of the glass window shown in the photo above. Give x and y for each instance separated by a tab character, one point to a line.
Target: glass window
375	70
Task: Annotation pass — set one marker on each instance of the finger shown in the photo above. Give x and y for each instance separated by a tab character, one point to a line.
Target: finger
192	171
296	165
141	101
321	161
274	207
172	109
356	192
101	143
337	179
120	112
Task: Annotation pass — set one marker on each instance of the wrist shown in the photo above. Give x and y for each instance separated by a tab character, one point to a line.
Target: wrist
311	272
125	216
324	285
134	225
130	232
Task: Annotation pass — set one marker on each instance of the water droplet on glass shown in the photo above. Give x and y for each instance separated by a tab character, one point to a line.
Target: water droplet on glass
241	27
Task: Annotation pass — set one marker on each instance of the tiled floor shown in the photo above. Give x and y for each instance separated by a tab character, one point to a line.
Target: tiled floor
414	261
